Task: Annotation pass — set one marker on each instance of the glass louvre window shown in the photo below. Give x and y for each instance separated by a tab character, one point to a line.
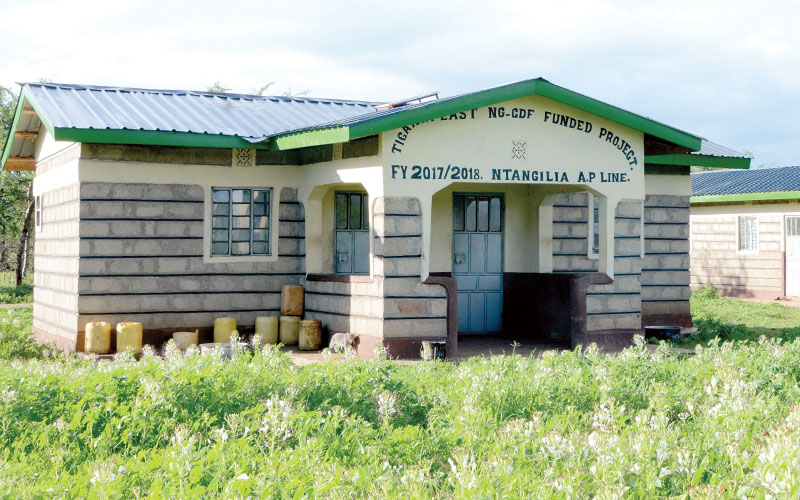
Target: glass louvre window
748	232
240	221
479	213
351	214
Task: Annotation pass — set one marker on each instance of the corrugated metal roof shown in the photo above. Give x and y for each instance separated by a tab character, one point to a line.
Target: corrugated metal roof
762	180
251	117
713	149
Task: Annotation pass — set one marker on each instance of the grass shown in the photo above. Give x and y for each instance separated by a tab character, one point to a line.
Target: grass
12	294
729	319
720	424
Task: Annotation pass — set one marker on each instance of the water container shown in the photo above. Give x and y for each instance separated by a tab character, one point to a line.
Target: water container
223	327
267	329
129	335
310	335
184	340
292	300
98	337
290	330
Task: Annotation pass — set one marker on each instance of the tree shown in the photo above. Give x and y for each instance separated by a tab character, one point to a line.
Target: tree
16	200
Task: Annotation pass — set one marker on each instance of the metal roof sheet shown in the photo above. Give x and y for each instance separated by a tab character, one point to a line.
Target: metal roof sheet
251	117
763	180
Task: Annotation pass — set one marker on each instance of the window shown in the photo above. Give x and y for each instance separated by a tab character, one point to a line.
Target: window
352	233
37	217
748	233
594	216
240	221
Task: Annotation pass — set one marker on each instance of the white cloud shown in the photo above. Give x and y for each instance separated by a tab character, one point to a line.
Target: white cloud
730	71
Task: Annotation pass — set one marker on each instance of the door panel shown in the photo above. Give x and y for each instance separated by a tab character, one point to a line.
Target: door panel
361	252
793	255
478	261
344	251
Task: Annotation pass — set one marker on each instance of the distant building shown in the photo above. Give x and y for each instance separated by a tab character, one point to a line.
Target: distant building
525	210
745	231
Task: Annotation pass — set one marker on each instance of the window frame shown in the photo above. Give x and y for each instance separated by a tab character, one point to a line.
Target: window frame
741	243
593	226
364	222
251	228
37	214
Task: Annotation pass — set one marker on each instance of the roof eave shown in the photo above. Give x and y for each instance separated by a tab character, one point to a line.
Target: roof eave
698	160
744	197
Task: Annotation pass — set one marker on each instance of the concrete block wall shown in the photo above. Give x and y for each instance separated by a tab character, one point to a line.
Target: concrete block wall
715	258
141	249
665	272
411	308
394	304
618	305
570	234
55	278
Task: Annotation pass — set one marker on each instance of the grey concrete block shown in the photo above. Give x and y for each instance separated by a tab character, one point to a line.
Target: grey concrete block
570	213
397	205
629	209
398	246
291	211
666	200
614	322
662	246
288	194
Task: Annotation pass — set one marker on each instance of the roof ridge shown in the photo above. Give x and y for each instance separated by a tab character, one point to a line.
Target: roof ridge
230	95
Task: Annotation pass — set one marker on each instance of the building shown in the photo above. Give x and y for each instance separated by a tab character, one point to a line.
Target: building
745	231
526	210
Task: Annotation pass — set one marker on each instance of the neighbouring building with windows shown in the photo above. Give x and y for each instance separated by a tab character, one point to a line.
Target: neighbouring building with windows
525	210
745	231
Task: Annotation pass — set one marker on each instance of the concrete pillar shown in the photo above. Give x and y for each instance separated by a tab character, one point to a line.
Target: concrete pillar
545	233
608	208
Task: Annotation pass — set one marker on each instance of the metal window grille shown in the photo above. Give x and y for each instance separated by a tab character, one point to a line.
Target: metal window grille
792	225
748	232
38	211
477	213
595	224
240	221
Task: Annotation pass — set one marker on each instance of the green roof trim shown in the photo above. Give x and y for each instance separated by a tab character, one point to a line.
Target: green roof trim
309	138
538	86
696	160
154	138
742	197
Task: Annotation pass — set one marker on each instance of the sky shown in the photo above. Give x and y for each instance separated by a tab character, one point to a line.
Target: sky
727	71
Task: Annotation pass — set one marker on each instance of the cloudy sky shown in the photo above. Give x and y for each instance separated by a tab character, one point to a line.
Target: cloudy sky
728	71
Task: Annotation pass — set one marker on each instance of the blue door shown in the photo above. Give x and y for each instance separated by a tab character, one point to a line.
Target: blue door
478	261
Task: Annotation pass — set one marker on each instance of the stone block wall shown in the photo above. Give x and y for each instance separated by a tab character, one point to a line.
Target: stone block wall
55	278
141	259
665	272
715	258
393	308
616	306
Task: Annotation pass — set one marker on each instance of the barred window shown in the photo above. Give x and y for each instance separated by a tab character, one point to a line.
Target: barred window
37	212
748	232
240	221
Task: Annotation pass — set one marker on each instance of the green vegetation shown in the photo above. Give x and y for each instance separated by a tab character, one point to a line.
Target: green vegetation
16	340
720	424
11	294
728	319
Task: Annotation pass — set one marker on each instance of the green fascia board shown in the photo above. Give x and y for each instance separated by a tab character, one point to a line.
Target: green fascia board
538	86
154	138
695	160
310	138
742	197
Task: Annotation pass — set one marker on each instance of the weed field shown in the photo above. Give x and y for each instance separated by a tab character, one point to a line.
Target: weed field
12	294
720	424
